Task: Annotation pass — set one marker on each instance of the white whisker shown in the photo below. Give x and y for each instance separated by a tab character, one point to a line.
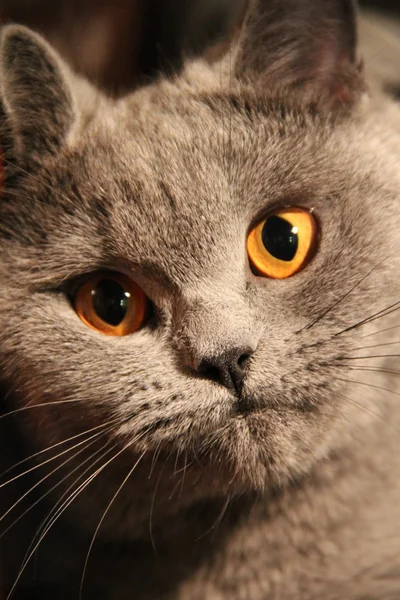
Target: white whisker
102	520
3	533
51	459
62	509
49	474
70	439
31	406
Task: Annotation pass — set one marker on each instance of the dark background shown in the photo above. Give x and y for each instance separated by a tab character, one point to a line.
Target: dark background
118	43
393	5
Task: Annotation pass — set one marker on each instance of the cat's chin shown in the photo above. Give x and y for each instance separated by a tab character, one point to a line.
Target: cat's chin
261	448
251	453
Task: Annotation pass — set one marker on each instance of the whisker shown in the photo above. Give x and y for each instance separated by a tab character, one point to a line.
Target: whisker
381	331
372	369
218	520
185	468
369	410
3	533
379	315
377	346
50	474
377	387
55	508
45	462
70	439
335	304
102	520
62	509
371	356
176	486
177	456
56	516
155	458
41	405
58	503
153	499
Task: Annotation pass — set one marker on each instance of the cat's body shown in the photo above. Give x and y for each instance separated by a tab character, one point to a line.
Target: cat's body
286	489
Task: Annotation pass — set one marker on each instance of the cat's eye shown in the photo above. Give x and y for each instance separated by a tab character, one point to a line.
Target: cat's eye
283	243
111	303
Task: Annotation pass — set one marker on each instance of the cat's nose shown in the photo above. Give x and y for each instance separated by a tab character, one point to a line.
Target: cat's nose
227	369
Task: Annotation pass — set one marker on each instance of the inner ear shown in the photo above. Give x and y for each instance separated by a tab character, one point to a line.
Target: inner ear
306	45
35	94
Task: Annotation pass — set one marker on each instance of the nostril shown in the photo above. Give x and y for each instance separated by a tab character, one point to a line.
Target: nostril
228	368
210	371
242	360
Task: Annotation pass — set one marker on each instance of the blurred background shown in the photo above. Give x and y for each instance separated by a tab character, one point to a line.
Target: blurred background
120	43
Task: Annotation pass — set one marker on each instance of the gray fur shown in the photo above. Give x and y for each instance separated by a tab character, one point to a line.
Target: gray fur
290	490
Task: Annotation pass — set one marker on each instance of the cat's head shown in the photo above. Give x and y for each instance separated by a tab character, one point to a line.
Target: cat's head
238	223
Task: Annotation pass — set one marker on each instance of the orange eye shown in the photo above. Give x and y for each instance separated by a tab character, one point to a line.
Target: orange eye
112	304
283	243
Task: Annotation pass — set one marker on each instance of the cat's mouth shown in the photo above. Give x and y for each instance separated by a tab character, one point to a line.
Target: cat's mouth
247	402
244	406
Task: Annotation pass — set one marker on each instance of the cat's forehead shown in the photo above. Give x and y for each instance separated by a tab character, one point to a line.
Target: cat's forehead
187	175
199	154
174	181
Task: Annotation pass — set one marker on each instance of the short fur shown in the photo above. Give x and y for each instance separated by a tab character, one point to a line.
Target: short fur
289	489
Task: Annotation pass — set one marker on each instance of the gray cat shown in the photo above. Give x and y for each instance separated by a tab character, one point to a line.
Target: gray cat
199	322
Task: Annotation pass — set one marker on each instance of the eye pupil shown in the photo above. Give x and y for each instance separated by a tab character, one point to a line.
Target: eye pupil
110	301
280	238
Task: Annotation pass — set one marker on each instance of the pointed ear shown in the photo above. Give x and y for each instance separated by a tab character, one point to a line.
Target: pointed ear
307	45
36	98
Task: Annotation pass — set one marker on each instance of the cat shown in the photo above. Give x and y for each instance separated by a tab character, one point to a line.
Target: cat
199	321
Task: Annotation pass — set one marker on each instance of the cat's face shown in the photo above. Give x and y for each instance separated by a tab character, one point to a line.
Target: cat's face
164	188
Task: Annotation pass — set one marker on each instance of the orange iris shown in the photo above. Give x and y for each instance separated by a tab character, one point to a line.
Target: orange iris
111	303
283	243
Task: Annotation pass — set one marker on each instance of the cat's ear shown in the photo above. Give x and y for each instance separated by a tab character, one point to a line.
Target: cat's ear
307	45
36	97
